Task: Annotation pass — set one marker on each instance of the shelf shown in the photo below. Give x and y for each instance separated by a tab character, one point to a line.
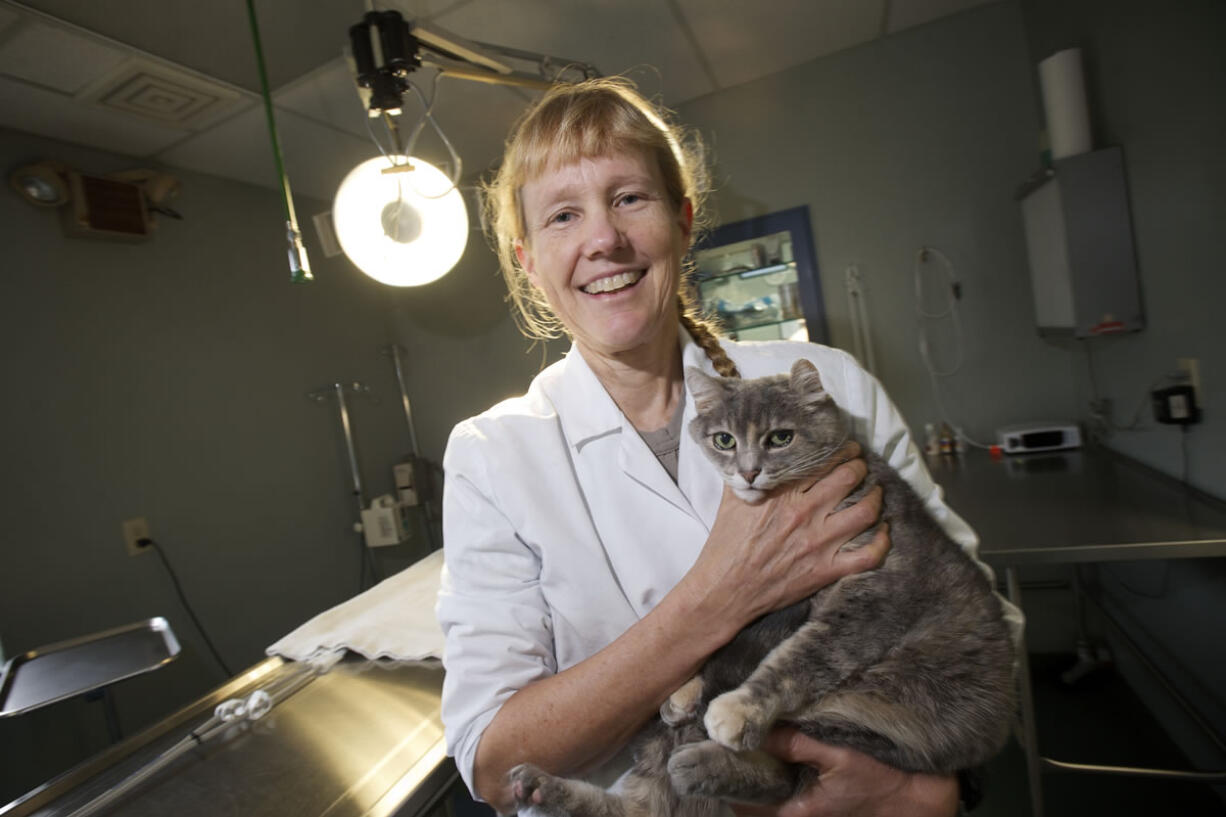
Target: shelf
745	273
741	327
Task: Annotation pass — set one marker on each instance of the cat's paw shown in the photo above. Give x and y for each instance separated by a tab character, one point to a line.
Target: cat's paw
532	787
682	705
736	721
698	769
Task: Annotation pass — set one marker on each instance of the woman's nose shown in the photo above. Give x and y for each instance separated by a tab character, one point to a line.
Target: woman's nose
603	234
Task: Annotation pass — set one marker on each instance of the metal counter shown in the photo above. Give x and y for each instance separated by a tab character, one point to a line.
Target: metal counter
1074	507
364	738
1078	506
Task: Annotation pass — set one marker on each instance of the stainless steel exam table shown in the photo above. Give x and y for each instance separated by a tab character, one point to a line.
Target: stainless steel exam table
1077	507
364	738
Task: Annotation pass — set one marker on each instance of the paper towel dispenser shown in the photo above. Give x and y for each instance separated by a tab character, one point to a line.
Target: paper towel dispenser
1083	269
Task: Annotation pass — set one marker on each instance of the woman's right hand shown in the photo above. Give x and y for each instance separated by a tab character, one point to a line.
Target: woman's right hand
765	556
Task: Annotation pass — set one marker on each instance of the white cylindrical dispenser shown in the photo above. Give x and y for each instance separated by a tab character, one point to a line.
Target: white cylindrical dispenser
1064	103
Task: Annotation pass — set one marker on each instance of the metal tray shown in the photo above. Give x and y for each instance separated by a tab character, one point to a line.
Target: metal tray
62	670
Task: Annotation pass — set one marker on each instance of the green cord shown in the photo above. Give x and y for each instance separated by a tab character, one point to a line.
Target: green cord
299	264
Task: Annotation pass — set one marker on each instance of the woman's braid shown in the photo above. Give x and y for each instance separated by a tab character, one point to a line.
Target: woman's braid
703	333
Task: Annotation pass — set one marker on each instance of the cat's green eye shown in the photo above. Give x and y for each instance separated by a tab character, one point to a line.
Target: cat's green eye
723	441
779	438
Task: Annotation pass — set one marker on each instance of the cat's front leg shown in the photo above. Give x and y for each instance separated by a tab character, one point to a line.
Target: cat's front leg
559	797
739	719
682	705
786	680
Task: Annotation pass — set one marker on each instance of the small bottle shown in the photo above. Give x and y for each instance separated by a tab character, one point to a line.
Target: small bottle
946	439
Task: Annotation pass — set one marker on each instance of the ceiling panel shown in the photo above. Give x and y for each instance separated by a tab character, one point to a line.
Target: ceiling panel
327	94
642	37
316	157
745	41
908	13
7	18
48	113
26	53
476	117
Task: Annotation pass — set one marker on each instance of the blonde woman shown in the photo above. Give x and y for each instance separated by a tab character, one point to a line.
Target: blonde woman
593	559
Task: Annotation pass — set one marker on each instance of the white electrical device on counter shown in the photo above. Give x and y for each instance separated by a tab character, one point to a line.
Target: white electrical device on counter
1029	438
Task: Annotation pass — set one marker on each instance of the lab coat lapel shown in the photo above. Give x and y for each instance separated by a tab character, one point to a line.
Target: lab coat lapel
650	533
589	413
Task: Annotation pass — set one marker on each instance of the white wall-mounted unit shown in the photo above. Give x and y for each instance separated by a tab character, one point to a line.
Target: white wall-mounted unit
1083	268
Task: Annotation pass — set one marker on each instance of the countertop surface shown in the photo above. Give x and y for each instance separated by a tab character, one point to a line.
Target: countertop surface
1077	506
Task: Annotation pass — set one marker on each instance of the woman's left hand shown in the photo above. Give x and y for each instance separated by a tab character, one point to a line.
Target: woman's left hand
852	784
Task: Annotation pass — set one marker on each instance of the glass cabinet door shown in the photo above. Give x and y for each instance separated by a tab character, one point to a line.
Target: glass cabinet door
758	278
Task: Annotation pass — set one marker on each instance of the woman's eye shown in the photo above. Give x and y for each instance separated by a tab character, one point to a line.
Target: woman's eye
723	441
631	198
779	438
561	218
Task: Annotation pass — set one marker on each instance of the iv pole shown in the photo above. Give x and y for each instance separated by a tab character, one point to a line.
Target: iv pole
395	351
319	396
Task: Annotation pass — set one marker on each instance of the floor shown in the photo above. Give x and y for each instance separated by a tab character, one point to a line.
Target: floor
1099	720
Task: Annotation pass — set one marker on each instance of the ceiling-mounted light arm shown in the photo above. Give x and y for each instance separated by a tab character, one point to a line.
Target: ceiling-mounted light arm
385	50
551	68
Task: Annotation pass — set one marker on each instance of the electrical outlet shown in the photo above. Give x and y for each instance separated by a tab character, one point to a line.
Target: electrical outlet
134	530
1190	367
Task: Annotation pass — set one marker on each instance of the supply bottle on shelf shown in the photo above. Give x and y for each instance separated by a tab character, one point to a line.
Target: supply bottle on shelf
946	439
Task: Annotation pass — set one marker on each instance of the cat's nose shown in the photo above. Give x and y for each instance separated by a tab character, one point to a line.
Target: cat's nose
750	476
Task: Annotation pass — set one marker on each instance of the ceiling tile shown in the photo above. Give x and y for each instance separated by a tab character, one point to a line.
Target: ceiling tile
746	41
55	58
316	157
908	13
476	118
327	94
639	37
7	18
54	115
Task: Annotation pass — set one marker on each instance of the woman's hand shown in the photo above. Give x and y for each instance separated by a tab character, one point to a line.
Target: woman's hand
765	556
852	784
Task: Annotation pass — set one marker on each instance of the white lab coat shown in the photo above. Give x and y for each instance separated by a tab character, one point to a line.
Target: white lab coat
562	529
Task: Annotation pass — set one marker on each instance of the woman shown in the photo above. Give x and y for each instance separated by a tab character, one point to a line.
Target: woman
593	559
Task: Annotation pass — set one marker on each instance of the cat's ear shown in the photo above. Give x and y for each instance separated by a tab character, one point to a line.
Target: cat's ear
707	390
806	382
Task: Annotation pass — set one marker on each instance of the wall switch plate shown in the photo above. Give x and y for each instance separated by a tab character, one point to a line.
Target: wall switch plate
135	530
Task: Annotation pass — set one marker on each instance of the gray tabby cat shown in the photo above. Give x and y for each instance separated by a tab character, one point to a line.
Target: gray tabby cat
911	663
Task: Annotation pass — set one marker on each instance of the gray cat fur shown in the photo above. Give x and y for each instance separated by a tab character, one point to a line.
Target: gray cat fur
911	662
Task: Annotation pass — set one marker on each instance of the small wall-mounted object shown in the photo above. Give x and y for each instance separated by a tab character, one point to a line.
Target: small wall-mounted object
41	184
1083	268
107	208
115	206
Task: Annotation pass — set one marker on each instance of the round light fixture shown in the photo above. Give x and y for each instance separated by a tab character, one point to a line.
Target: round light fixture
40	185
400	220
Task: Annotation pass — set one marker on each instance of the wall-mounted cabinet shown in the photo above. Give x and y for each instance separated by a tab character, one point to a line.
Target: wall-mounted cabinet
758	278
1083	269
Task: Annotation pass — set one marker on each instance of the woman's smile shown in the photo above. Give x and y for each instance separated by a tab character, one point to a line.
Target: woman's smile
614	282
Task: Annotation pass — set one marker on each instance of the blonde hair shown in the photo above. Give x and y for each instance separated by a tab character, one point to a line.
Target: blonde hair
597	117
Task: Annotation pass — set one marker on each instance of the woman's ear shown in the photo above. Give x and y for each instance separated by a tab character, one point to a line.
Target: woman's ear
525	261
687	219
